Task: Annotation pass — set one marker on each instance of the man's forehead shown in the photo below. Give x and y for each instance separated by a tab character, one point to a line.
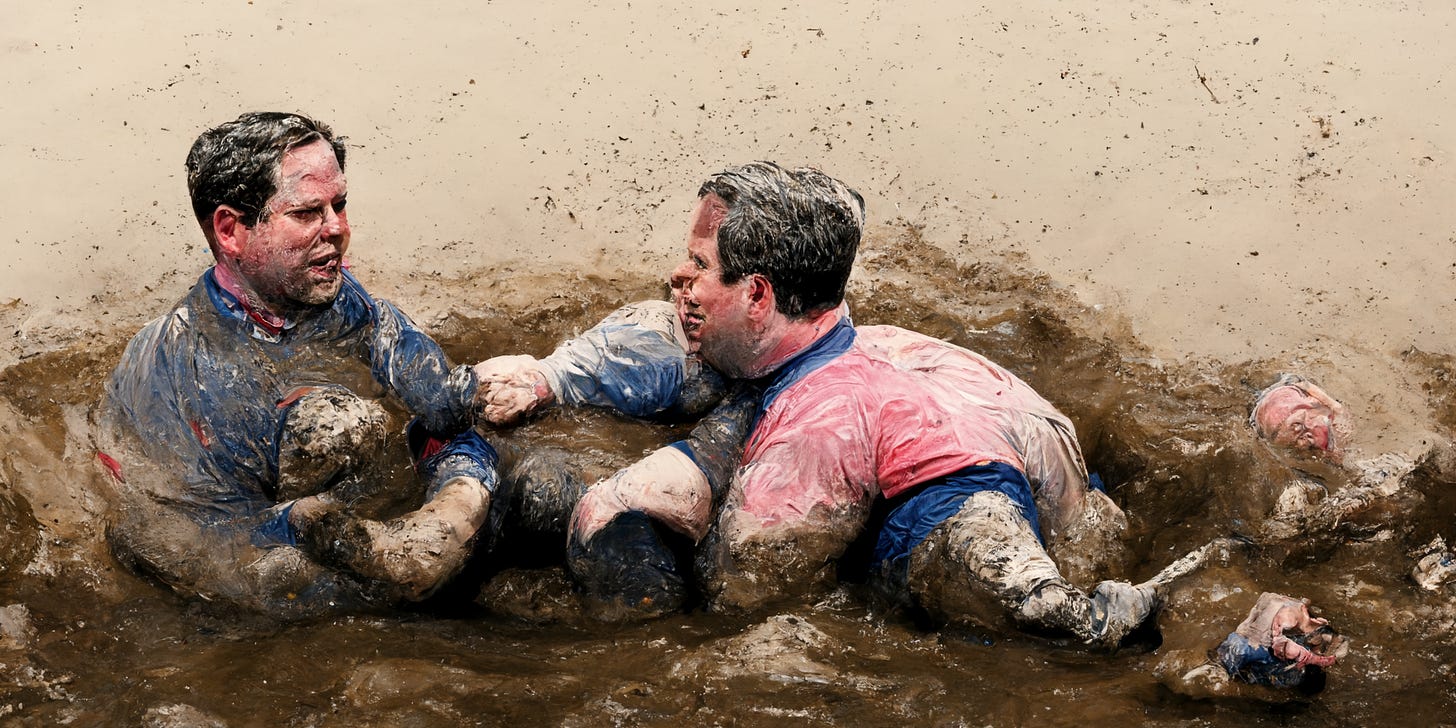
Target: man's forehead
314	162
708	216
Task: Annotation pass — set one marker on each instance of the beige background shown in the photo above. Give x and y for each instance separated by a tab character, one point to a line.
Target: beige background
1293	207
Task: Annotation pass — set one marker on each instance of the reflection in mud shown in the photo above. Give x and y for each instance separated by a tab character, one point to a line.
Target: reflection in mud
86	642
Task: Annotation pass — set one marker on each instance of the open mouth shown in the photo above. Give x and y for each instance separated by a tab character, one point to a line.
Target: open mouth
692	323
324	267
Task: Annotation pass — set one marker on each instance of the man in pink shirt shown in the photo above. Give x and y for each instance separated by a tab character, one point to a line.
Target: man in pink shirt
971	468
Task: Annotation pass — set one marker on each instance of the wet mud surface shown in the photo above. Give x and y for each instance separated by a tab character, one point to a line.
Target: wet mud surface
83	641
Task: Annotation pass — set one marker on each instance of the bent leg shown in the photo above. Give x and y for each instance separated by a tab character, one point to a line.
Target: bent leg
544	486
985	566
219	564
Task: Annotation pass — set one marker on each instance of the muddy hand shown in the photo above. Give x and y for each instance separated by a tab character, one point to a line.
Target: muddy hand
510	388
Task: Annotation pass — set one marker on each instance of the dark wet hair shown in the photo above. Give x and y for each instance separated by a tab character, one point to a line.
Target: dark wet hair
799	228
236	163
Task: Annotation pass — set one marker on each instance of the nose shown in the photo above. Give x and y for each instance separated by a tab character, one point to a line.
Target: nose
336	224
681	276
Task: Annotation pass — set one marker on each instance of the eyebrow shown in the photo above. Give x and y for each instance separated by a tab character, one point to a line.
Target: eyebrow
311	202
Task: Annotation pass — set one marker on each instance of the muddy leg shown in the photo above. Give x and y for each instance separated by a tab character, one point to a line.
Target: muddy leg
219	564
544	489
984	565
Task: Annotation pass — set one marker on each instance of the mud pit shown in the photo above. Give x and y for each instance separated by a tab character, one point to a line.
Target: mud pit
86	642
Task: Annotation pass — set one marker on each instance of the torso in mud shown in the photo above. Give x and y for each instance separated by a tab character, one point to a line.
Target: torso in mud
874	410
869	411
878	410
204	388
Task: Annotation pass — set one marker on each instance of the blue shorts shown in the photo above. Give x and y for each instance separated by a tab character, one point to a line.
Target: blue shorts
914	517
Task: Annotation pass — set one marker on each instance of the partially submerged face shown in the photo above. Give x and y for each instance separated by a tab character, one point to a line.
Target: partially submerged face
1299	416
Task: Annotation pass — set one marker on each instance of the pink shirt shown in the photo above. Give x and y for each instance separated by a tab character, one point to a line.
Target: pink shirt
892	411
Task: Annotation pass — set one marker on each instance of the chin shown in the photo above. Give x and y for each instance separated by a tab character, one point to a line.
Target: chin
726	365
322	294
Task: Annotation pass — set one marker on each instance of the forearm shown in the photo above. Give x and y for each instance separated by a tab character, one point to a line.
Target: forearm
666	485
634	361
716	443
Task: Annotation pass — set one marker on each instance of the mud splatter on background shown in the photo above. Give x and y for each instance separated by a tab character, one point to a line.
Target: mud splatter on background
1249	187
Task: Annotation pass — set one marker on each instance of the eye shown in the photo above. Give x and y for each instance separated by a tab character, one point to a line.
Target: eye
339	206
307	214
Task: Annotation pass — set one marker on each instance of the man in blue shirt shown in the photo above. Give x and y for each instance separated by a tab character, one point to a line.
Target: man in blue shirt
247	421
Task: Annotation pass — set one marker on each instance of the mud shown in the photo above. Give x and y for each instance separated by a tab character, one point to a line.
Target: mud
84	641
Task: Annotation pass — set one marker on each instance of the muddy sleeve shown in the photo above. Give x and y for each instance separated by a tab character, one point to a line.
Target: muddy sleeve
716	444
405	359
634	361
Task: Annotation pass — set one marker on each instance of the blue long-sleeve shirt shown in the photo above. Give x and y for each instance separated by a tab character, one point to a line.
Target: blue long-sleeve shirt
201	387
635	362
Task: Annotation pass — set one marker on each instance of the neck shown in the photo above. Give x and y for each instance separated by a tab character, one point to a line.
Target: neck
792	336
229	280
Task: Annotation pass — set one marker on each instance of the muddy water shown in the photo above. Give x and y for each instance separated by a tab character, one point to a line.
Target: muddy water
85	642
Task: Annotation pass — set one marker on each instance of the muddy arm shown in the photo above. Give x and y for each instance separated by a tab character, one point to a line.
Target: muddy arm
409	362
635	361
678	485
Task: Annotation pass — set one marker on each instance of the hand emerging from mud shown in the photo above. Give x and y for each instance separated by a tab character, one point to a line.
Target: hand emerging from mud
511	387
1295	620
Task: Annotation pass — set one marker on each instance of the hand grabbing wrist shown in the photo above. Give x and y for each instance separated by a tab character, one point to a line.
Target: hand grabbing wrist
511	387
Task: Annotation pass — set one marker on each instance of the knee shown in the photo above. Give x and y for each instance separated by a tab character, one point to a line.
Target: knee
324	415
326	431
543	490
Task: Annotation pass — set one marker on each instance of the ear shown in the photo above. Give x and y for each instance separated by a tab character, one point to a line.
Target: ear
760	295
229	231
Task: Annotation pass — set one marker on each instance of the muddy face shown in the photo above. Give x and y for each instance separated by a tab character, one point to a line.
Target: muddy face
1170	441
293	256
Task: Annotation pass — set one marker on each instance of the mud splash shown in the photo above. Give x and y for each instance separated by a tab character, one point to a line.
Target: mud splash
86	642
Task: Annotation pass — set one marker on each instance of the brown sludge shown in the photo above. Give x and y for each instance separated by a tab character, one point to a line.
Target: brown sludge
1170	441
